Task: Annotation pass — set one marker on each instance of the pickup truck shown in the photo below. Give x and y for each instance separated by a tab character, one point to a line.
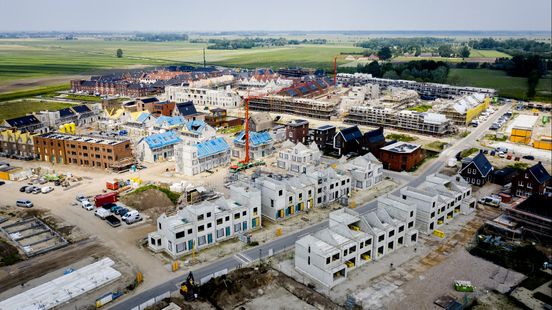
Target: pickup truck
113	221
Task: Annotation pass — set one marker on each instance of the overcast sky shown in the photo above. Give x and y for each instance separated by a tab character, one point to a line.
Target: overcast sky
220	15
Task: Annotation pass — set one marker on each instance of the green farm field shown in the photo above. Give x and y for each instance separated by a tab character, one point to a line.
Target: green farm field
488	54
27	59
11	109
507	86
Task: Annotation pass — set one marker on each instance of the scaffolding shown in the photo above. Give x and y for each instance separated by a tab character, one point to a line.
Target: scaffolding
298	106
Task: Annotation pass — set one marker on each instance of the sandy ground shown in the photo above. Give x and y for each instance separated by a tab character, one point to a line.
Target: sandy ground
276	298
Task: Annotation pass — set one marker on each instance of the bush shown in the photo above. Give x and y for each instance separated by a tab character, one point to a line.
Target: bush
400	137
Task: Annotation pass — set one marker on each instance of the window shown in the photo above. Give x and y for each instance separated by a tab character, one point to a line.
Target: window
401	228
179	235
237	227
244	213
290	198
220	233
327	260
219	221
190	231
159	225
280	192
529	185
200	217
411	213
227	218
201	240
272	203
209	225
381	238
201	228
391	233
208	214
236	216
308	260
180	247
352	249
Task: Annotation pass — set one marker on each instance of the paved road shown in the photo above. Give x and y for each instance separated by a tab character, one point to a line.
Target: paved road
286	242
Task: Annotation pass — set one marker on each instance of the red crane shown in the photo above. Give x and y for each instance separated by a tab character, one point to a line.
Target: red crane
335	70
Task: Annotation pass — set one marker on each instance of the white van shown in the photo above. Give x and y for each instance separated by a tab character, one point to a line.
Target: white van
46	189
130	213
102	213
133	218
24	203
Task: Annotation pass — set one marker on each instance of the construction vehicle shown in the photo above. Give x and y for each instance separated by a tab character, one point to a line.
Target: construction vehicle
242	166
188	288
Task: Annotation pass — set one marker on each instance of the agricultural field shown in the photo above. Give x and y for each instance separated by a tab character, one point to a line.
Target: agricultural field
487	54
26	59
508	86
10	109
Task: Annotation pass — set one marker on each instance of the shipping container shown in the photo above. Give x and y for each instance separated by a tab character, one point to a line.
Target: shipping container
105	198
112	185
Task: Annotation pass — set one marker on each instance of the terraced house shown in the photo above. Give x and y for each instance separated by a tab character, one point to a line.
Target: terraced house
157	147
204	224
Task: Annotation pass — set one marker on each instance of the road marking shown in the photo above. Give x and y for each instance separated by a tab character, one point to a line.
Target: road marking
242	258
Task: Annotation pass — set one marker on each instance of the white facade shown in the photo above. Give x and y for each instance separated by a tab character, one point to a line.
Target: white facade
202	225
226	98
350	241
365	171
297	158
191	161
439	199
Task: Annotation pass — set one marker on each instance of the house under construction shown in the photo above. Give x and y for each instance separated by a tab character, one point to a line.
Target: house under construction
298	106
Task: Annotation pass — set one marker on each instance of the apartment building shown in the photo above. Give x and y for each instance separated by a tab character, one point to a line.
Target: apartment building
27	123
154	106
283	197
350	241
365	171
425	90
424	122
226	98
323	137
314	108
298	157
439	199
196	131
204	224
357	95
53	119
91	151
16	143
330	185
192	159
464	109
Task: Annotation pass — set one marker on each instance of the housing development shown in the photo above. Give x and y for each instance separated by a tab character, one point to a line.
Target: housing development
275	169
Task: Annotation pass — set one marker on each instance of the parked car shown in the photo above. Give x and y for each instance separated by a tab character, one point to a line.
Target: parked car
493	153
24	203
2	183
133	218
122	211
115	208
509	156
501	154
129	214
113	221
108	206
46	189
37	190
23	188
102	213
529	157
80	197
87	205
516	158
490	201
29	189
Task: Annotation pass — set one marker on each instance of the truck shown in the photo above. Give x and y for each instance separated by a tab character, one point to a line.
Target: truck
102	199
102	213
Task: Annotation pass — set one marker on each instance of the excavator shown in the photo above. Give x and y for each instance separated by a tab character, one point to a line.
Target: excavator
188	288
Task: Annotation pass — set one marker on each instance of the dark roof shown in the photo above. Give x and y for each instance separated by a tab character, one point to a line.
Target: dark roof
505	171
66	112
186	108
536	204
23	121
81	109
148	100
375	136
482	164
325	127
88	83
540	173
351	133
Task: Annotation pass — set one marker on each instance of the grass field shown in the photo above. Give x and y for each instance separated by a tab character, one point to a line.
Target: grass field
488	54
507	86
36	58
32	92
13	109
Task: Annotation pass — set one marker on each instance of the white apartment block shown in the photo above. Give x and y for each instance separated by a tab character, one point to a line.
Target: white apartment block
365	171
357	95
350	241
202	225
439	199
330	185
226	98
298	157
192	159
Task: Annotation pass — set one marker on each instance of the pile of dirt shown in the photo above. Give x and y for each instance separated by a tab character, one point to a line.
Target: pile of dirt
9	254
240	286
152	200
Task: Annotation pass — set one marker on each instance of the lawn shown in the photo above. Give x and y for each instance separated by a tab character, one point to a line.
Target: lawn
11	109
400	137
487	54
32	92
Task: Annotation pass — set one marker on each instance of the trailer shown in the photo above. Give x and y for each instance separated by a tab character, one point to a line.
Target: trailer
102	199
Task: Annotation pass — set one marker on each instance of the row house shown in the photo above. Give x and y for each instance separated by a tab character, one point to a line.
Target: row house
350	241
439	199
193	159
261	144
226	98
365	171
296	158
27	123
535	180
201	225
14	143
157	147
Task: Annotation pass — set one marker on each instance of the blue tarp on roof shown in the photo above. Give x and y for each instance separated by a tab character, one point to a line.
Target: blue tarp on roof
212	147
162	139
255	138
170	120
195	125
351	133
142	117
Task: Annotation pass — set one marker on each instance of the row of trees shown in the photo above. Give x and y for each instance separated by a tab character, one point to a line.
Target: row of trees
223	44
422	71
162	37
513	46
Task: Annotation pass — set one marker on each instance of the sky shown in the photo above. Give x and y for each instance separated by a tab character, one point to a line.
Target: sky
273	15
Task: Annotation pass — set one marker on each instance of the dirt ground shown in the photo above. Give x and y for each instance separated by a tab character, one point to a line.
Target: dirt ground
152	202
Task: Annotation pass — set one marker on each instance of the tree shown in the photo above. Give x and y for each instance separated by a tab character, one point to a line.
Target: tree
418	51
374	69
532	81
119	53
464	52
391	74
385	53
445	51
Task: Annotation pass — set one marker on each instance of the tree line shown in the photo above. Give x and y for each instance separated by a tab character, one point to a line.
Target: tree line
421	71
247	43
163	37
